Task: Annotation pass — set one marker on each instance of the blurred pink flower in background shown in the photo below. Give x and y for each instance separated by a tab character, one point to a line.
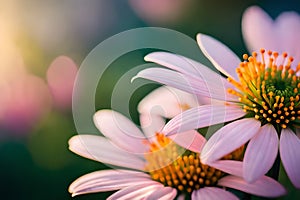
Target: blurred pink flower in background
61	75
281	34
24	100
159	11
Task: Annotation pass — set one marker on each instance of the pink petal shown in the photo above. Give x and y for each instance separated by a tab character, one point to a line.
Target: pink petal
202	86
290	155
136	191
265	186
258	30
219	55
261	153
229	138
165	193
61	75
107	180
232	167
120	130
202	116
184	65
191	140
289	39
209	193
167	102
100	149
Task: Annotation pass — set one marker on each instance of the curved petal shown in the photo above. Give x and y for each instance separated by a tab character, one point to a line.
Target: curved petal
165	193
100	149
120	130
208	193
202	116
232	167
136	191
229	138
167	102
290	155
265	186
107	180
288	39
219	55
191	140
182	64
261	153
202	86
258	30
151	124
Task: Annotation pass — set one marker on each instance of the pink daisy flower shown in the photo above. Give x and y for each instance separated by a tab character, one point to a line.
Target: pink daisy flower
157	168
263	90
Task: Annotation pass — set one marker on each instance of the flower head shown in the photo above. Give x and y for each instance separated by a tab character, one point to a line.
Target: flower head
263	90
157	168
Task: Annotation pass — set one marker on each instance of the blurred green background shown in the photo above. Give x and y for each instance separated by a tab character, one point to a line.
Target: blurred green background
36	163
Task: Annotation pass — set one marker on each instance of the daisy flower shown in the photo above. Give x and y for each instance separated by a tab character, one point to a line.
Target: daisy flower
159	167
281	34
260	99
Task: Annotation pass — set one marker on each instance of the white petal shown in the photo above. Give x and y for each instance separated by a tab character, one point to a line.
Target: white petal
232	167
120	130
100	149
165	193
136	192
191	140
258	30
107	180
219	55
290	155
167	102
202	86
202	116
209	193
261	153
265	186
229	138
151	124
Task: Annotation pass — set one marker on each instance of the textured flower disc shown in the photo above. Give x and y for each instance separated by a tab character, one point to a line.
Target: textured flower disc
182	169
269	89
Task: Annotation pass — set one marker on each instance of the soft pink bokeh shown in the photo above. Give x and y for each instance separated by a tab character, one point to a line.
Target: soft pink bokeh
24	100
159	11
61	75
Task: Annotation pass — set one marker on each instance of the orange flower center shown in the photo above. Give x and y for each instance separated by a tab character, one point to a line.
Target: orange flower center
179	168
269	89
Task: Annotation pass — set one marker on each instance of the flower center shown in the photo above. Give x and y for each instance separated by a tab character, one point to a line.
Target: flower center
179	168
269	90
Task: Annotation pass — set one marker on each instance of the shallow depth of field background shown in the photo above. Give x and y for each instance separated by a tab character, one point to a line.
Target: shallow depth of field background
35	162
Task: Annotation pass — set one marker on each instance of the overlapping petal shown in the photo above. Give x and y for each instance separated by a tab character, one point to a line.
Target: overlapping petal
290	155
229	138
107	180
120	130
261	153
208	87
100	149
165	193
167	102
202	116
265	186
139	191
191	140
